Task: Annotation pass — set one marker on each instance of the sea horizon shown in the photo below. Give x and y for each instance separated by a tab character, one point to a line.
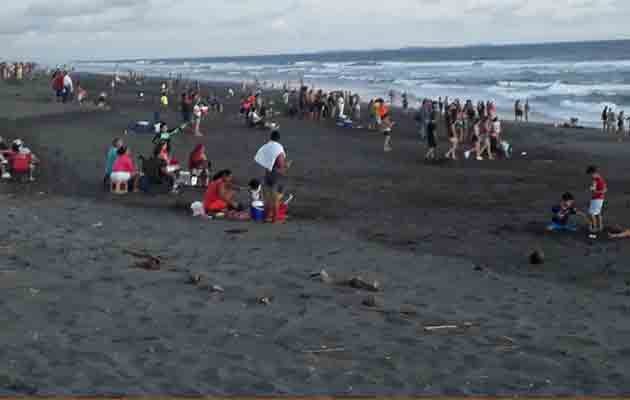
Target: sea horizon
561	80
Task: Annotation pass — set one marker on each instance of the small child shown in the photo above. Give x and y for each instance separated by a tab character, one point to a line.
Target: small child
598	190
255	190
561	213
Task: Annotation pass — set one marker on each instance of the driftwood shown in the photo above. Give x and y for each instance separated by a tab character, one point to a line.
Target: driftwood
355	282
433	328
318	351
149	262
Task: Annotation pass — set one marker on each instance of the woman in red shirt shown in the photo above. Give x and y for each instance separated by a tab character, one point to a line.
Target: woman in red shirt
220	195
124	171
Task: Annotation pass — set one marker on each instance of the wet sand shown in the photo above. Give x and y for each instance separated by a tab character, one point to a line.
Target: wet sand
448	243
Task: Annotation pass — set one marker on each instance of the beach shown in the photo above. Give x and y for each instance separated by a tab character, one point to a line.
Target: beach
448	243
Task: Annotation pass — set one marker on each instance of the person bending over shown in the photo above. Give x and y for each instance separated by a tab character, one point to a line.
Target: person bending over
220	195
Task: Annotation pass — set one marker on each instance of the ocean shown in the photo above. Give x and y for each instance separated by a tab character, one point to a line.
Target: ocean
560	80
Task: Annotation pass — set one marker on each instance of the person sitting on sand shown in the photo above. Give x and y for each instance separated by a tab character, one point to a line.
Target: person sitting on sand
220	195
561	214
199	165
22	160
112	155
598	190
101	101
124	170
82	94
170	166
272	157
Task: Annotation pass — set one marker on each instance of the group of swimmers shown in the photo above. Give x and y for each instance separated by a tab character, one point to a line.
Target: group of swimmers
464	123
614	122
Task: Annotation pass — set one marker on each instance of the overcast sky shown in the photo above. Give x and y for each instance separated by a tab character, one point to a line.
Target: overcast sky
64	30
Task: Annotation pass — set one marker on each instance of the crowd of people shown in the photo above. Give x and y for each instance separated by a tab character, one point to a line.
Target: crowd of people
477	126
613	122
16	71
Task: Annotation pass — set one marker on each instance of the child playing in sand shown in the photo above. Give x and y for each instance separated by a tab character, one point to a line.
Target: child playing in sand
598	189
561	213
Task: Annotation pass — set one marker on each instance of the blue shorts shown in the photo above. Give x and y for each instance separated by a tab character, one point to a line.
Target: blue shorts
561	228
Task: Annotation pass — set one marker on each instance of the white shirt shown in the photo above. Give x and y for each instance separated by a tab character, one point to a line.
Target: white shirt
67	83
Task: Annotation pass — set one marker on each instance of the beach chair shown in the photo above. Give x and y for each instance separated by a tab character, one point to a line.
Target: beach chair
119	187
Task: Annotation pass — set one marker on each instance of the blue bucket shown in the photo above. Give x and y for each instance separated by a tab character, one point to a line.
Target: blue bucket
258	213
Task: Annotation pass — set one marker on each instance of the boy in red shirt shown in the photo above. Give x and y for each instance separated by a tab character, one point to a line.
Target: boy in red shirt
598	190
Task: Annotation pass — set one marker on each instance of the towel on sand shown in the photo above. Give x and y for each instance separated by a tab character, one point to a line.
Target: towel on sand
267	155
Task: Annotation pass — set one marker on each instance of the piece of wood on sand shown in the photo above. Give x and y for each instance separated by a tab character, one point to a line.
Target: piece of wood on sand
355	282
149	262
448	327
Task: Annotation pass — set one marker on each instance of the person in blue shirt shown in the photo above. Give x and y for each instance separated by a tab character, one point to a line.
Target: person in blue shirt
112	154
561	214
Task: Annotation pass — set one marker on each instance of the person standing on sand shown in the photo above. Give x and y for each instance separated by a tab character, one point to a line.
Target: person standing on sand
431	134
612	119
526	110
68	87
272	157
605	119
598	190
620	123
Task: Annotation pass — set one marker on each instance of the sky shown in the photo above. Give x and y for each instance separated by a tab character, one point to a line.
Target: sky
66	30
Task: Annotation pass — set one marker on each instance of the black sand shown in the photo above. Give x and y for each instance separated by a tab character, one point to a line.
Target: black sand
448	242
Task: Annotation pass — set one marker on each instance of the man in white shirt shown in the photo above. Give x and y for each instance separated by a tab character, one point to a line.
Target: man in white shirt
68	87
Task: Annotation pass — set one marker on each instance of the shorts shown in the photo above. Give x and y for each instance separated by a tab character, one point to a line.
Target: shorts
596	207
60	92
554	227
274	181
120	177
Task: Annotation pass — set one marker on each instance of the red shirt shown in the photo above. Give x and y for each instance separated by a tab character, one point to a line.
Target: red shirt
21	162
124	164
212	194
600	188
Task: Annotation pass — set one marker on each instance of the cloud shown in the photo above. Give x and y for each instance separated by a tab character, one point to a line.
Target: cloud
166	28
